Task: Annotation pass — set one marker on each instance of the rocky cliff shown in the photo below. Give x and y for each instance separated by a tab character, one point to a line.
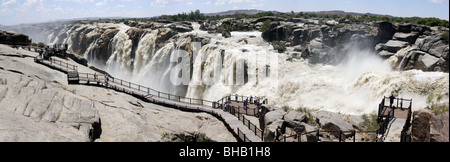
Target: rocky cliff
37	104
14	38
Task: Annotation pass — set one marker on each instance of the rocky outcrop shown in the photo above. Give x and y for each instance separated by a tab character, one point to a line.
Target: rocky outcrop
101	50
14	38
440	128
36	104
427	127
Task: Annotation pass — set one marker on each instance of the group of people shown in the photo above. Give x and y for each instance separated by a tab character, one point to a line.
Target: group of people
255	100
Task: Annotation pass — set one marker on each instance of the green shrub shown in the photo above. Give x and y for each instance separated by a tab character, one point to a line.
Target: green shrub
265	26
280	46
432	104
40	44
311	118
444	36
370	121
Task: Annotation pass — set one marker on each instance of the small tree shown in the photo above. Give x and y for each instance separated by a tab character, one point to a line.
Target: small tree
265	26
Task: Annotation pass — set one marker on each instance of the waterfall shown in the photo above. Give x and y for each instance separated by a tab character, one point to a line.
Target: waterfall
247	65
145	51
119	63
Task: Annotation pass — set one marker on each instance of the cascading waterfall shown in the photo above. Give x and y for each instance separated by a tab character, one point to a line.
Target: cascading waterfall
223	65
119	63
145	51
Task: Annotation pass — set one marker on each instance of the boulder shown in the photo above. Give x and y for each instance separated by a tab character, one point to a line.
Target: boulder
269	131
226	34
14	38
429	61
394	45
385	30
273	116
440	128
420	131
433	45
295	117
385	54
183	28
403	27
336	124
406	37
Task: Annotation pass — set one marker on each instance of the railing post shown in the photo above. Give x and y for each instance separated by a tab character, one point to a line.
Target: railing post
354	135
190	101
158	95
340	136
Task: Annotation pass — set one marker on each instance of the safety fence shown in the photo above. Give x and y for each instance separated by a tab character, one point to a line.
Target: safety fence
254	128
341	135
57	64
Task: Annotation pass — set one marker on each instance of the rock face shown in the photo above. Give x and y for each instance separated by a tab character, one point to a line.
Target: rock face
14	38
37	104
427	127
421	126
440	128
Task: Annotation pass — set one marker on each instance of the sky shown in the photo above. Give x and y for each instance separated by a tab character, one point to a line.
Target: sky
13	12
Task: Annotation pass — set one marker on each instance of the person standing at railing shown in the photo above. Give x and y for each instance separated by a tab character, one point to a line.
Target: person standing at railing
106	80
229	98
251	98
224	105
236	97
391	100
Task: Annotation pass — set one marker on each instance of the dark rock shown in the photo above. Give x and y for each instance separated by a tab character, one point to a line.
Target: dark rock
226	34
385	30
14	38
406	37
440	128
421	126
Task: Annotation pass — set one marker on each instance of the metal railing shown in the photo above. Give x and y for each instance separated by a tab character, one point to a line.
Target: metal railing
58	64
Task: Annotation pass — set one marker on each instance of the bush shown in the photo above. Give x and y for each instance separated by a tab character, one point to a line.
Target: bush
279	45
311	118
444	37
370	121
432	104
40	44
265	27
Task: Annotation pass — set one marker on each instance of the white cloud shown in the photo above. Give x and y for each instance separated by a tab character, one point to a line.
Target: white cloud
436	1
8	2
160	3
120	6
78	1
207	2
190	3
164	3
101	3
220	2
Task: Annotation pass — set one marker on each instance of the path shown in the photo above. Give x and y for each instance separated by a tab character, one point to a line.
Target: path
242	129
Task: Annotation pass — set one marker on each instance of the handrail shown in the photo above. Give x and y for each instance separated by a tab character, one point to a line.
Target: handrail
108	81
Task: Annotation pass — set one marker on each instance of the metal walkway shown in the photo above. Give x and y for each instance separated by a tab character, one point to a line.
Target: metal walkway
242	127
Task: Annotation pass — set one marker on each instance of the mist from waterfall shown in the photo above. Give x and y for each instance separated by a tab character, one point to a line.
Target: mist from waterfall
247	65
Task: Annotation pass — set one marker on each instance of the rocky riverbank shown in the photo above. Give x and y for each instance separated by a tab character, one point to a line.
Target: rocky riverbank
37	104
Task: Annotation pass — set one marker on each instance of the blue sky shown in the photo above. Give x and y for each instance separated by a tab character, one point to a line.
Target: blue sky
32	11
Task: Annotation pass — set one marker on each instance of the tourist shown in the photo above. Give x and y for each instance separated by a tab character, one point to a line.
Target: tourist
277	133
229	98
223	106
251	98
106	80
391	100
236	97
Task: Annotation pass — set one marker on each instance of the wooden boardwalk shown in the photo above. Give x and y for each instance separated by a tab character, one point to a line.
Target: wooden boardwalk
235	121
395	112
